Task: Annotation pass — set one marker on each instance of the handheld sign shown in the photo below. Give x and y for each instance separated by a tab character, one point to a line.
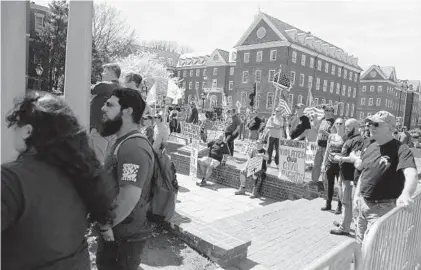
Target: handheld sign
292	156
254	166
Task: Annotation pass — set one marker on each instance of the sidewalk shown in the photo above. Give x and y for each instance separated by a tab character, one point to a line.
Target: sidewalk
284	235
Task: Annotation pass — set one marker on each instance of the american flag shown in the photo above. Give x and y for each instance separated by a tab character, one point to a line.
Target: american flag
283	105
281	80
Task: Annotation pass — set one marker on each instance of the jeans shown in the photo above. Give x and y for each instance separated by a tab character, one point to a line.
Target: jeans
230	141
121	255
332	172
346	187
273	142
318	160
101	145
367	213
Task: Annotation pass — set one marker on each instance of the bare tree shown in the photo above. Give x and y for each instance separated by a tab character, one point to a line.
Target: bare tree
167	45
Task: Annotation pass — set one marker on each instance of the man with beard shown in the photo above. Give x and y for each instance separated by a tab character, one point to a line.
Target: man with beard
353	143
100	93
132	168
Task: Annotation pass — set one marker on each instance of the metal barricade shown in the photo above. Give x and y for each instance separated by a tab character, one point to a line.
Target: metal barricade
346	256
394	240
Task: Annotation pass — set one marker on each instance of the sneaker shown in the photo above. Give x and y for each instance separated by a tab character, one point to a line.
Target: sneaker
240	191
338	231
203	183
327	207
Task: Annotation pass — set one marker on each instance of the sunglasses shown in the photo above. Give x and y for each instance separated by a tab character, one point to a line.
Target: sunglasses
339	124
376	125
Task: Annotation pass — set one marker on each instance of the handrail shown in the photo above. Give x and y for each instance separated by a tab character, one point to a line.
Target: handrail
394	240
345	256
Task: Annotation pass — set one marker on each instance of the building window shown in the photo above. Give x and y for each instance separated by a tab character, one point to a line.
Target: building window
355	77
323	101
273	55
311	62
303	60
317	84
362	101
269	100
350	76
229	101
361	115
215	71
316	101
343	90
245	76
338	88
345	73
352	110
327	67
246	57
364	89
271	75
243	98
184	85
203	85
231	71
259	56
185	73
378	101
290	100
319	65
324	85
299	99
347	109
310	82
39	22
333	69
190	85
292	77
196	85
355	92
341	109
379	88
371	88
257	75
332	85
197	72
302	80
294	56
349	91
339	71
214	83
230	85
191	73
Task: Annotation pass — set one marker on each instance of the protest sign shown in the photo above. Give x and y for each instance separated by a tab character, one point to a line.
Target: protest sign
254	165
311	152
190	130
194	155
292	156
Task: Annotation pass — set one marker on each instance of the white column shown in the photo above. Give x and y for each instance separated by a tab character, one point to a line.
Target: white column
78	59
13	63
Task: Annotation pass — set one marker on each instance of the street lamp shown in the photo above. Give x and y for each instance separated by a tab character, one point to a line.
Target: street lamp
39	70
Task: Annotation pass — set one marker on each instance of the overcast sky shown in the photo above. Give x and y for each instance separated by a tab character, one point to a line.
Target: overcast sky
377	32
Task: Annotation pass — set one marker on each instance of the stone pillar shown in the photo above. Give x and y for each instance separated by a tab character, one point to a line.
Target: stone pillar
13	62
78	59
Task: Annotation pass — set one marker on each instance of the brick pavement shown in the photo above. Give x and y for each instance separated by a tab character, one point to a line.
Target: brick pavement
284	235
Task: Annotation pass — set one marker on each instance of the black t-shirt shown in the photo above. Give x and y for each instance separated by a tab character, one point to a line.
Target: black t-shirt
217	150
301	127
255	123
365	145
380	181
353	143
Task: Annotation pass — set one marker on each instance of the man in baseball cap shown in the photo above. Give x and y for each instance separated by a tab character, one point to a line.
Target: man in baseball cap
388	173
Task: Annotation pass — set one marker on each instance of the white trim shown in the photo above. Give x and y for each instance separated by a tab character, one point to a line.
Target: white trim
365	73
262	45
378	81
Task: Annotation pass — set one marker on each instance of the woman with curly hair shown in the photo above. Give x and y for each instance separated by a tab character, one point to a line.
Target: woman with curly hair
53	191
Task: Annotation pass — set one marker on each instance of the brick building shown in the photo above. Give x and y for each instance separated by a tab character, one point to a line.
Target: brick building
413	104
35	23
380	89
207	77
270	44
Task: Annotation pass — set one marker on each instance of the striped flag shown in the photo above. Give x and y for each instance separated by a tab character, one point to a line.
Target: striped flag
283	105
314	111
281	80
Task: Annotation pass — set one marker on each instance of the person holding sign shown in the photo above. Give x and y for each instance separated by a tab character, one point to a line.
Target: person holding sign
217	149
275	127
300	125
258	176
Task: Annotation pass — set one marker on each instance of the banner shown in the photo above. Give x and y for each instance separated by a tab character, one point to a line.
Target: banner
254	166
292	156
194	155
190	130
311	152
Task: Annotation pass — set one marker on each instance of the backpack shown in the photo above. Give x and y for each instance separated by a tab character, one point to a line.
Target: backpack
162	194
